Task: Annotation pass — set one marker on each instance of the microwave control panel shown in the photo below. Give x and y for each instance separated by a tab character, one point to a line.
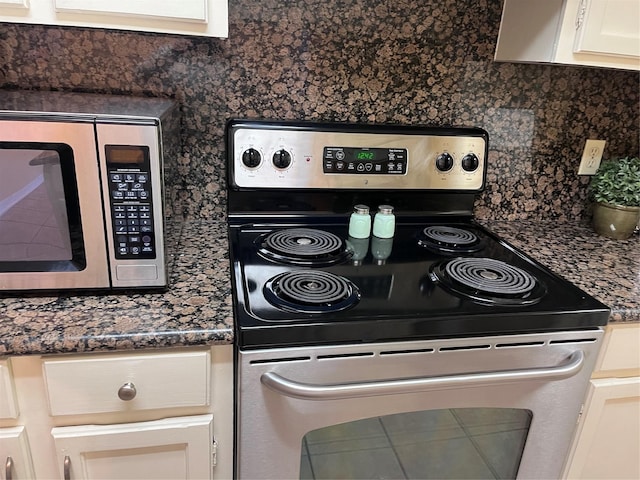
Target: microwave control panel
130	199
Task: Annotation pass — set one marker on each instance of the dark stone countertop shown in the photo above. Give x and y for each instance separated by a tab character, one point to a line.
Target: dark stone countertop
197	309
607	269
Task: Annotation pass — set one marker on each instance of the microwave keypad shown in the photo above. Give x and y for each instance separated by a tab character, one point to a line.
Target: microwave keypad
132	214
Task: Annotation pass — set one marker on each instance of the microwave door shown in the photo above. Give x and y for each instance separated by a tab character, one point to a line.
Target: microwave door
51	221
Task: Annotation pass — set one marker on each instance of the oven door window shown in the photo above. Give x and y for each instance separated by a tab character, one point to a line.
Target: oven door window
40	226
473	443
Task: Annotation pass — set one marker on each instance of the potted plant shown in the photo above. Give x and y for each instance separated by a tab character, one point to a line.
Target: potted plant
615	187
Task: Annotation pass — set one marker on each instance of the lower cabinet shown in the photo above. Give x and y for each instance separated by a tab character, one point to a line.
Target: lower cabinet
160	414
16	455
164	449
608	437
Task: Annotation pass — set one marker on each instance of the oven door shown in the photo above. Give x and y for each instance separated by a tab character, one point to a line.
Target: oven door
51	219
496	407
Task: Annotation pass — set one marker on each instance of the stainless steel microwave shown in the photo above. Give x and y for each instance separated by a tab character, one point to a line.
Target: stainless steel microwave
82	190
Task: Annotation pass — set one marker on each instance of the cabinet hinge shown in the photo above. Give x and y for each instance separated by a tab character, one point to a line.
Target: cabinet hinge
582	11
214	453
580	414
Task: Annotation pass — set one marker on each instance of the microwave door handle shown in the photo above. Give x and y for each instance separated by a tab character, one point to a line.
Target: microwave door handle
307	391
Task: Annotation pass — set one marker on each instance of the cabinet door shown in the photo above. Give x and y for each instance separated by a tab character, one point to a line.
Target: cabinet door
187	17
609	440
190	10
172	448
14	3
8	404
610	27
15	454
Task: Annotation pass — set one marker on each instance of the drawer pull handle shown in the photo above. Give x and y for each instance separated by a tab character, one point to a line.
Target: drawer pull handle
8	467
67	467
127	392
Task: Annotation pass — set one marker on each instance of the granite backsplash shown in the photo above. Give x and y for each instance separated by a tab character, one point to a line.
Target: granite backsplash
382	61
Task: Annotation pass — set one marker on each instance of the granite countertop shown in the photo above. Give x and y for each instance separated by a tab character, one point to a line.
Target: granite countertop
607	269
197	309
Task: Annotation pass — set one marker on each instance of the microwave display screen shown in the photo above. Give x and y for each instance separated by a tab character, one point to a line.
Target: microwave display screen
126	154
34	225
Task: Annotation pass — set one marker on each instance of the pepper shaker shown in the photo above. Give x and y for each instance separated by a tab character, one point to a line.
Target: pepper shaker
384	223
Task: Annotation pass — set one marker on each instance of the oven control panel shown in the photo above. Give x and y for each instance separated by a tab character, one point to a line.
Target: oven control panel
350	156
367	161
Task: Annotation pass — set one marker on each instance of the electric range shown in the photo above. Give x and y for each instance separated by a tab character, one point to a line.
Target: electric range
300	279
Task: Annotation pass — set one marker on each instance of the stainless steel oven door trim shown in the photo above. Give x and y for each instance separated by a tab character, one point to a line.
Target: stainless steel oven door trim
271	426
307	391
80	136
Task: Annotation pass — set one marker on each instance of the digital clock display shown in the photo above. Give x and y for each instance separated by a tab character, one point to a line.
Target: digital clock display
365	155
126	154
365	160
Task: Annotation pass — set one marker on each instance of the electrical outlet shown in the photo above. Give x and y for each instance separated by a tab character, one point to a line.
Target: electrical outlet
591	156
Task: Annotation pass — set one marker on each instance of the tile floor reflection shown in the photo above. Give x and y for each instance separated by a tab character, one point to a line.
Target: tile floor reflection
30	230
475	443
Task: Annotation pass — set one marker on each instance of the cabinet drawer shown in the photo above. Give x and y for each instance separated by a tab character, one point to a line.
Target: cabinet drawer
8	405
120	383
620	348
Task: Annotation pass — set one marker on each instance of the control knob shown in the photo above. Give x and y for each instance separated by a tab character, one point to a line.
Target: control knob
444	162
251	158
281	159
470	162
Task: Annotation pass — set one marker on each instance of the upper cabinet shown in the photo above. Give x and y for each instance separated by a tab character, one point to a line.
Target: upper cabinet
599	33
187	17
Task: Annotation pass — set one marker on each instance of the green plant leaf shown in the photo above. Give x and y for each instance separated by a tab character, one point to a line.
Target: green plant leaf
618	182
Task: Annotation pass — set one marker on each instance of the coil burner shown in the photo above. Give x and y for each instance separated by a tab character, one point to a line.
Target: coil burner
452	240
311	291
304	246
488	281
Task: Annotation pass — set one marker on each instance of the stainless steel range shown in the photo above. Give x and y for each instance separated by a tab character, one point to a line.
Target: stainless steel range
380	331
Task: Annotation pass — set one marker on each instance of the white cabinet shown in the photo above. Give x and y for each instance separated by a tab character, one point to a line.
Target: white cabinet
608	437
188	17
8	406
163	449
143	414
609	27
107	383
15	454
602	33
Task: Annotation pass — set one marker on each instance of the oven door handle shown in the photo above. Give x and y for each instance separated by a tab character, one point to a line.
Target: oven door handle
308	391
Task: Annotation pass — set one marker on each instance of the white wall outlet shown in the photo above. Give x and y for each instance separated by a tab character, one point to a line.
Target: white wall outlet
591	156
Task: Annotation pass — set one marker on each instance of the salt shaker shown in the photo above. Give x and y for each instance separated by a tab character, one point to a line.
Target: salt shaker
360	222
384	223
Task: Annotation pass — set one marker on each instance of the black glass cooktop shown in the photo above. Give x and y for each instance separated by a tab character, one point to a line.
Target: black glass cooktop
310	285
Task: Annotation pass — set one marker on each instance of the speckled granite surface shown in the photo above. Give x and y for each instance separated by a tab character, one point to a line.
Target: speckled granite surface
383	61
607	269
196	310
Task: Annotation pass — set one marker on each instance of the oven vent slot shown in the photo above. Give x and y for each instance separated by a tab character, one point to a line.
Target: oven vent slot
407	352
519	344
464	347
279	360
345	355
575	340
